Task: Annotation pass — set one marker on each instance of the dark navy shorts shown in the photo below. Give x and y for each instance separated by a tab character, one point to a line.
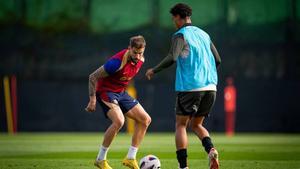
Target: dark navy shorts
122	99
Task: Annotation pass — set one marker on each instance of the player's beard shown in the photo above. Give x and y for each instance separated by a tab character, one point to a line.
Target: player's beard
134	60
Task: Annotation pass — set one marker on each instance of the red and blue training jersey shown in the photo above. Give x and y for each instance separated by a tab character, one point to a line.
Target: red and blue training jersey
121	70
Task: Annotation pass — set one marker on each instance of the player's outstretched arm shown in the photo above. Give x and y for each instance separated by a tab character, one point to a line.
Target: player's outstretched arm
93	78
177	45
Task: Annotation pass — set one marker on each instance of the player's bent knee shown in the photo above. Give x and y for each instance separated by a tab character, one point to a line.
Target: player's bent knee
180	124
196	127
118	124
146	120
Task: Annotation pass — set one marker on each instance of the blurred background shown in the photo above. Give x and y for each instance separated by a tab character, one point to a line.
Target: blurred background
48	48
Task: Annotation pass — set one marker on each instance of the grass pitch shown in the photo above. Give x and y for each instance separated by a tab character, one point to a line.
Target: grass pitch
78	151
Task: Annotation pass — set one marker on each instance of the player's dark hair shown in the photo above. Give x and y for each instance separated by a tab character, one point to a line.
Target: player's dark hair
137	42
181	9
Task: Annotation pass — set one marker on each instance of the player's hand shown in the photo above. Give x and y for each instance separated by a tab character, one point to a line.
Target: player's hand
91	107
149	74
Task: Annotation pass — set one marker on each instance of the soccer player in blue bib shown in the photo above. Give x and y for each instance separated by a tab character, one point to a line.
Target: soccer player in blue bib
196	82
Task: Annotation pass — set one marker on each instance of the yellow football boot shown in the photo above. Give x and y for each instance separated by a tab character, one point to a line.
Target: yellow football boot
130	163
103	164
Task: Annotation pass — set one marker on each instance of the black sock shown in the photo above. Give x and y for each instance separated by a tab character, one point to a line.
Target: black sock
207	144
181	157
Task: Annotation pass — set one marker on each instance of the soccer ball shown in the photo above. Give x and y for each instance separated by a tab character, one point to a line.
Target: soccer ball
149	162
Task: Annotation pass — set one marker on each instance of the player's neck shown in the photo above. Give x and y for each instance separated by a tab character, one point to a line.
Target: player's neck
188	21
184	22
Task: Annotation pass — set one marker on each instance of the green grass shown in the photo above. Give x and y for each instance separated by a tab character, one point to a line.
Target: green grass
78	151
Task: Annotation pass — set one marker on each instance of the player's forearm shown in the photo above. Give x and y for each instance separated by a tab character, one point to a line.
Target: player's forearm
93	99
165	63
177	45
93	79
92	86
216	54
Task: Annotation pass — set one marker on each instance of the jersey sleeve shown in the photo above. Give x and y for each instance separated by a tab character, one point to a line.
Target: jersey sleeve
177	45
112	65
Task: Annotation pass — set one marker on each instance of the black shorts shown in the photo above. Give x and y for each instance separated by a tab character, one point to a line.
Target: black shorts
198	103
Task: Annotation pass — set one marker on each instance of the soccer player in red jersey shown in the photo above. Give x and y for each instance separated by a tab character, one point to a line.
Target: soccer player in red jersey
107	85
